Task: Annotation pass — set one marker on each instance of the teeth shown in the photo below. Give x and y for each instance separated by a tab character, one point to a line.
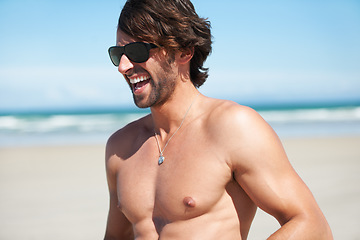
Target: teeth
138	79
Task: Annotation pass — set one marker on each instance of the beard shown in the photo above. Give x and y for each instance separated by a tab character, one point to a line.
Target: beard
161	90
160	93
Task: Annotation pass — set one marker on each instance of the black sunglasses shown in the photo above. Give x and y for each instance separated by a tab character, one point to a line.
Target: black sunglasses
137	52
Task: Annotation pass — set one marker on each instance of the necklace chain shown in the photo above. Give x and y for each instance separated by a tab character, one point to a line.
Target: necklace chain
161	157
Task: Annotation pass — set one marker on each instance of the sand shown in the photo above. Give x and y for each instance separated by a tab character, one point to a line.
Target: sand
60	192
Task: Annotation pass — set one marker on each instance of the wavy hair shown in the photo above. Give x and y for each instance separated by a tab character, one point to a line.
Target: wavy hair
173	25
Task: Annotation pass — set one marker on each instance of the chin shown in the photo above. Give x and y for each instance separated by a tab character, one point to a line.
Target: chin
141	102
142	106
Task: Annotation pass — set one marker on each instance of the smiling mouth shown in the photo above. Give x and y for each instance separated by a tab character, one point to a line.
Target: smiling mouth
139	82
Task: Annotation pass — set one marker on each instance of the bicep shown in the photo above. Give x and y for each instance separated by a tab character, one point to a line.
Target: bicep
118	226
262	168
277	190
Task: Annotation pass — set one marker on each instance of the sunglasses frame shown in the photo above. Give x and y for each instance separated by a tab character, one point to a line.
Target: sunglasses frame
122	49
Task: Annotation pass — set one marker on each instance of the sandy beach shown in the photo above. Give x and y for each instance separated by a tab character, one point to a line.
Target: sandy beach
60	192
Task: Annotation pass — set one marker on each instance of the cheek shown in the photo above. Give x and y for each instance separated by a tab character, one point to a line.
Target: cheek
162	71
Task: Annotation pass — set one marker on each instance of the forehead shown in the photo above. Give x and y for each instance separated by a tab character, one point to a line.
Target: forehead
123	39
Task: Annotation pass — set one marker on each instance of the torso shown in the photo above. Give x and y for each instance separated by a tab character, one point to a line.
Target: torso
192	195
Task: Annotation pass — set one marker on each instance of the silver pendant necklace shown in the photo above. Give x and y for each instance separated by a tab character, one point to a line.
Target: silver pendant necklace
161	156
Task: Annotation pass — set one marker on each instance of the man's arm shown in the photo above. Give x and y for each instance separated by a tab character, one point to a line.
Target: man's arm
262	169
118	226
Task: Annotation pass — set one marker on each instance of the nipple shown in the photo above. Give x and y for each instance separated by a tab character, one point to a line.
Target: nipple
189	202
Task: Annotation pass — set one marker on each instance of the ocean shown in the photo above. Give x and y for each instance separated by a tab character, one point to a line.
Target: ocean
94	127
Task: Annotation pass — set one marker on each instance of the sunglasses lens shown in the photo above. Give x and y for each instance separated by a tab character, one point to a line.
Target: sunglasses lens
115	54
137	52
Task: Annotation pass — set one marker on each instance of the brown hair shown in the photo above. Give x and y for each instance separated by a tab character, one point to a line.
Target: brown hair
173	25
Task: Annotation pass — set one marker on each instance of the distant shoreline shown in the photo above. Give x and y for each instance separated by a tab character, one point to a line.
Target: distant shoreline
87	127
258	106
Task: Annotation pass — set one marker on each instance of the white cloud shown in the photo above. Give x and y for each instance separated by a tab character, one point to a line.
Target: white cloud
277	85
61	87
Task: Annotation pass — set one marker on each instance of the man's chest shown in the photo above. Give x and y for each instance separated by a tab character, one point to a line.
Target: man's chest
188	184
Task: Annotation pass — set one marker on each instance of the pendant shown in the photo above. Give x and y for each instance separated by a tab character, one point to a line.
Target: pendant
161	159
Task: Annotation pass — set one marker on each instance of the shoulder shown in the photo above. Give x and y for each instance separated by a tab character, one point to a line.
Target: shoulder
122	141
231	123
233	117
243	134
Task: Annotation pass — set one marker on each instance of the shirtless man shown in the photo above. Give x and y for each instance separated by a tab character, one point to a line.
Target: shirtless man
196	167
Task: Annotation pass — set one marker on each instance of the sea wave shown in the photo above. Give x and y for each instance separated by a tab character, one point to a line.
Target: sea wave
97	127
65	123
345	114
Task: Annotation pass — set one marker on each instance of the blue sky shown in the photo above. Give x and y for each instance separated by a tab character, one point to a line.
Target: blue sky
53	54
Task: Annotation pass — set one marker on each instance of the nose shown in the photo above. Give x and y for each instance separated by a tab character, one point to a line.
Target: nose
125	64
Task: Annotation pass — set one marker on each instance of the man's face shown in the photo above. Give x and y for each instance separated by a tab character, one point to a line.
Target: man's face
152	82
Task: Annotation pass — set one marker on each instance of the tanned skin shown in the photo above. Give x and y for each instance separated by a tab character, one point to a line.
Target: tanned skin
223	163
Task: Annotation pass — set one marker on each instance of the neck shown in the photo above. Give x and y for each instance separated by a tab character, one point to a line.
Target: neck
168	117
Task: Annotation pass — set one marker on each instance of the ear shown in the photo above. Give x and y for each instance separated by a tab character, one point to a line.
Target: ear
186	55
